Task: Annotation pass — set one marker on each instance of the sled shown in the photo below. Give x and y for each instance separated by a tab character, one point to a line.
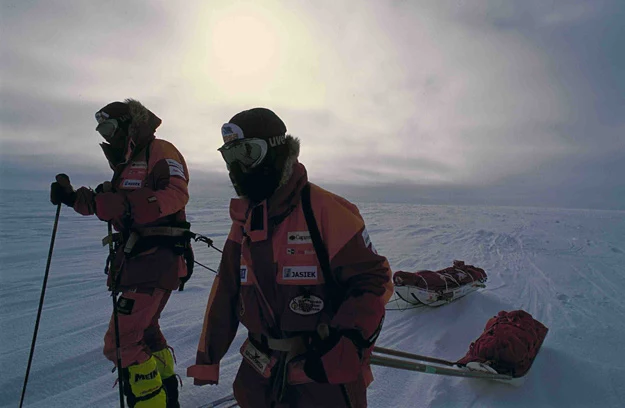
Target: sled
436	288
504	352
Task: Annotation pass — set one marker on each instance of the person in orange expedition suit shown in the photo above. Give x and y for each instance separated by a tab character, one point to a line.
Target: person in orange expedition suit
146	199
313	303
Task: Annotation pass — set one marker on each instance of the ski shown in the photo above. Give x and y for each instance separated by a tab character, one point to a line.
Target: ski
220	401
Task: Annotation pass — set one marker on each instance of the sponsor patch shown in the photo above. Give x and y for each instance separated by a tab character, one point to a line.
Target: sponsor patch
101	116
299	272
243	273
132	184
125	305
175	168
230	132
258	360
306	305
152	199
299	237
139	165
293	251
367	239
146	377
277	140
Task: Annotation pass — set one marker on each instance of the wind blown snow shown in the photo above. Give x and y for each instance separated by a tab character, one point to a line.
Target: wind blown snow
565	267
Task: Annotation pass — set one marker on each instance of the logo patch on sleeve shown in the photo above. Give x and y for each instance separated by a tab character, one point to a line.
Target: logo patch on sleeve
175	168
299	272
299	237
368	243
125	305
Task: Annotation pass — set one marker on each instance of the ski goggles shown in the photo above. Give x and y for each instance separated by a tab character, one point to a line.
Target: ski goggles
108	128
249	153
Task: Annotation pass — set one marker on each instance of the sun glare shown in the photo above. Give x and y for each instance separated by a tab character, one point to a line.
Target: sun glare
245	46
244	49
243	53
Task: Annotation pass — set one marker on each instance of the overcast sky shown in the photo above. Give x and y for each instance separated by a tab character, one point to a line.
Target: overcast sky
478	102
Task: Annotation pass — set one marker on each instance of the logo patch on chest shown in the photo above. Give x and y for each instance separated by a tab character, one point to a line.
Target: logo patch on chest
243	273
132	184
139	165
298	237
306	305
299	272
293	251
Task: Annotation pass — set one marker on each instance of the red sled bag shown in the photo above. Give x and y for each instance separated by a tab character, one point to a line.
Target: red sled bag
435	288
509	344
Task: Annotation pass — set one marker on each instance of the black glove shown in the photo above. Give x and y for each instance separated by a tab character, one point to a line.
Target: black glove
105	187
61	191
189	258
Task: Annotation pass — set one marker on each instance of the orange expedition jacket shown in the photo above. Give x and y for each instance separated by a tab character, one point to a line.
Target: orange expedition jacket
150	183
270	278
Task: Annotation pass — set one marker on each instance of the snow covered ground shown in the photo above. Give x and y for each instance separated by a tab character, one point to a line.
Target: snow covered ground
565	267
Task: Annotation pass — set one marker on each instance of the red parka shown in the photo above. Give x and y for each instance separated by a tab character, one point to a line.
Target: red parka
149	189
270	279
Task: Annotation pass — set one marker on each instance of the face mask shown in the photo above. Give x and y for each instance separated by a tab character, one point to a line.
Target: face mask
257	185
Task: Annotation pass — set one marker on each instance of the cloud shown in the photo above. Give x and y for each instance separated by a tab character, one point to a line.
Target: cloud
439	94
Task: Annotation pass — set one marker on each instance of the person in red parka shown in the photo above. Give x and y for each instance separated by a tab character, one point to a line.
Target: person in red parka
145	202
299	271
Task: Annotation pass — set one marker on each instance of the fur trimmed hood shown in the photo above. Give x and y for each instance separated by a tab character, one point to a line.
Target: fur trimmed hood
293	144
141	128
143	123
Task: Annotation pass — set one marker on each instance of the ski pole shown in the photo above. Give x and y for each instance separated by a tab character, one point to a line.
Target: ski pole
120	377
43	294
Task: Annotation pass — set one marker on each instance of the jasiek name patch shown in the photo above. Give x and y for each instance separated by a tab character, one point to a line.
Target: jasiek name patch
299	272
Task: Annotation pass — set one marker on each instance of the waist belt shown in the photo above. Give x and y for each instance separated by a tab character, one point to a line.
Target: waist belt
293	345
153	232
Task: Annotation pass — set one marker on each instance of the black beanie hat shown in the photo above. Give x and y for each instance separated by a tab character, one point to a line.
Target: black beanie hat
260	123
